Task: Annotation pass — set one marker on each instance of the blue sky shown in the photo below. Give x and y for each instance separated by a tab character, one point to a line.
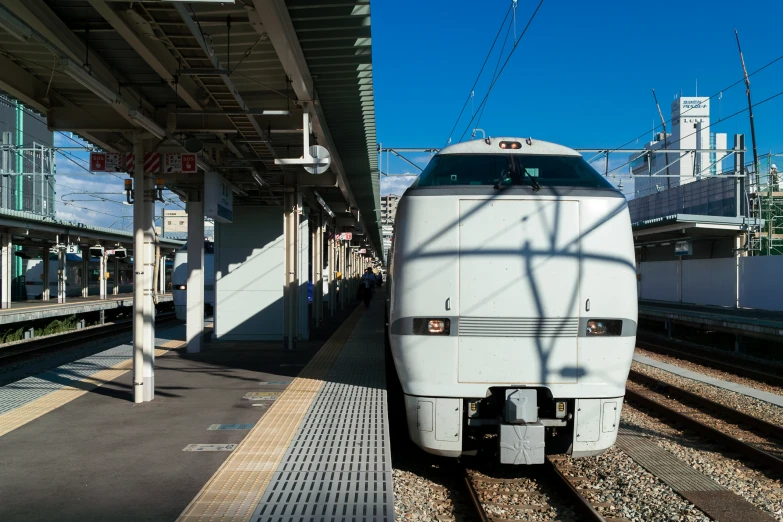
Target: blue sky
582	74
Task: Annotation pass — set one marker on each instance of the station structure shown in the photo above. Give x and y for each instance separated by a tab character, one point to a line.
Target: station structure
259	114
274	99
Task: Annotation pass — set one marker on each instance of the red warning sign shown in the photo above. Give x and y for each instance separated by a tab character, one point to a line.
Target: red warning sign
107	162
97	162
180	163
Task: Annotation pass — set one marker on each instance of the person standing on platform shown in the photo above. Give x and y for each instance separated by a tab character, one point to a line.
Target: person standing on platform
368	284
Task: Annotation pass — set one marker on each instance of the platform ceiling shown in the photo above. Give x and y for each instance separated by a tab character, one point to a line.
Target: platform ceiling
210	71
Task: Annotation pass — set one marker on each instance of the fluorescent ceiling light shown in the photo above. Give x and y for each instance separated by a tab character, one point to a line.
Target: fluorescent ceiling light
259	179
15	27
78	73
147	124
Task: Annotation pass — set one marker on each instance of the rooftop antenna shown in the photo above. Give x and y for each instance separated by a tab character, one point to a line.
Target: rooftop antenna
665	139
750	112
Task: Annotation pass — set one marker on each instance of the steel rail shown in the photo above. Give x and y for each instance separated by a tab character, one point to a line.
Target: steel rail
730	364
69	339
703	402
761	457
583	506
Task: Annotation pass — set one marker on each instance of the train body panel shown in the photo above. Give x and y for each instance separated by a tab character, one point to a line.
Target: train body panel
505	295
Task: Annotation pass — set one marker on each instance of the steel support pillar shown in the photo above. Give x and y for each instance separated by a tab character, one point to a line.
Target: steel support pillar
195	285
85	270
162	276
62	277
116	289
290	293
149	286
139	281
7	269
102	277
46	292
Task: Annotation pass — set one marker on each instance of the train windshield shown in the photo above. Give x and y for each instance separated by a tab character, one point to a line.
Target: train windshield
502	170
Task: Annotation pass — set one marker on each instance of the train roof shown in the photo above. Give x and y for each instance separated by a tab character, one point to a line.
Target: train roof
492	146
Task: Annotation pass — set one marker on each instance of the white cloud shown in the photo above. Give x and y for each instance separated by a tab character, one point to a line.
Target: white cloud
396	184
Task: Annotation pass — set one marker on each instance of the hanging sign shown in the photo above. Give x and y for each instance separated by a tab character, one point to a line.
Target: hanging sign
218	198
107	162
346	236
683	248
180	163
363	251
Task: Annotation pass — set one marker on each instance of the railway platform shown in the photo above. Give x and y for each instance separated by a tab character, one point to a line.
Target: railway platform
739	321
33	310
240	431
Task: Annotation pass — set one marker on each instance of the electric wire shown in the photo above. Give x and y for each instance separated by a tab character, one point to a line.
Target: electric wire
516	44
472	89
765	100
495	72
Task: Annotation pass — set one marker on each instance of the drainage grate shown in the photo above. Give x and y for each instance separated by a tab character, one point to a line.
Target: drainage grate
338	467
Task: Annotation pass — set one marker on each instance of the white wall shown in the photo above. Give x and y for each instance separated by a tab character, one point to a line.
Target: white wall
715	282
660	281
710	281
762	282
250	275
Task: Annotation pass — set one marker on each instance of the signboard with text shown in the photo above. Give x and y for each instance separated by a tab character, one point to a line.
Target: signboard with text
218	198
107	162
346	236
179	163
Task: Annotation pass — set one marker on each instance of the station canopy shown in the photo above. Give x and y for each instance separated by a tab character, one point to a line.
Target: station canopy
229	79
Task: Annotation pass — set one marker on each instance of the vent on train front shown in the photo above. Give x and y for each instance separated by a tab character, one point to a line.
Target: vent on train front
518	326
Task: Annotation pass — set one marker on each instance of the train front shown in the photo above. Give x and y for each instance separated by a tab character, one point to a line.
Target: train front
513	302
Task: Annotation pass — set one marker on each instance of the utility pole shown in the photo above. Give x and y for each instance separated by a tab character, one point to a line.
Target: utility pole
665	140
750	112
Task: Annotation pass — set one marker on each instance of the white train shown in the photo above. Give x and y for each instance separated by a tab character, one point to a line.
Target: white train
179	279
512	306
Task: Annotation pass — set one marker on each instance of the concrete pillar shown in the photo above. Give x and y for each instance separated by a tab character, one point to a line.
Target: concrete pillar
195	285
290	293
162	275
7	268
344	274
102	277
85	272
149	284
318	259
116	289
138	270
62	277
330	282
46	292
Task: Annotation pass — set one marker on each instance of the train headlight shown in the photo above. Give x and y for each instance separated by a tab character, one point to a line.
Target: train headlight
431	326
607	327
180	287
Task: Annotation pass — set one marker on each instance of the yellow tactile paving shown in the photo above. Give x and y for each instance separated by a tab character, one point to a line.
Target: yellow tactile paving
20	416
236	488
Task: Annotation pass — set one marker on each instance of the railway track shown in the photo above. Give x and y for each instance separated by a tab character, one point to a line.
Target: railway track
15	352
551	490
751	437
711	359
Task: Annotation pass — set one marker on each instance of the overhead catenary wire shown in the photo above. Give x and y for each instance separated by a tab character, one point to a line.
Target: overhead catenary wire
478	76
510	54
719	93
500	56
765	100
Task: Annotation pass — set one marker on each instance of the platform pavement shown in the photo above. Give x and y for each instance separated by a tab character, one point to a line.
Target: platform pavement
772	398
101	457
